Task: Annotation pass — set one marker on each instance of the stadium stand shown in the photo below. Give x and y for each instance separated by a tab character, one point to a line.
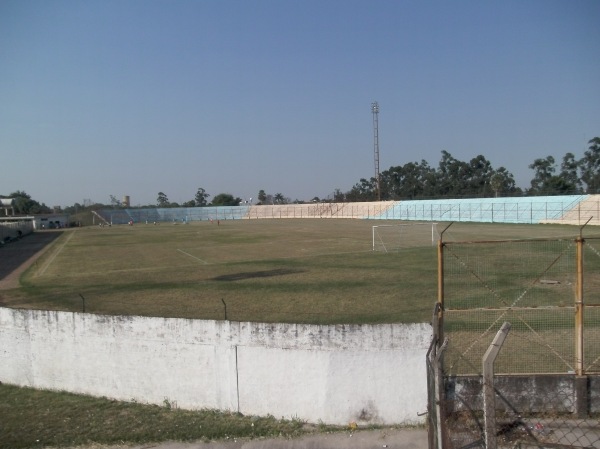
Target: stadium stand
567	209
492	210
320	210
173	215
586	211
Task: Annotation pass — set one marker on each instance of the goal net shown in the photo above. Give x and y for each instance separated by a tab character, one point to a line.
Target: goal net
394	237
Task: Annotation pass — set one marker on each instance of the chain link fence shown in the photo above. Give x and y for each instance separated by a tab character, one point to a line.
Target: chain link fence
546	375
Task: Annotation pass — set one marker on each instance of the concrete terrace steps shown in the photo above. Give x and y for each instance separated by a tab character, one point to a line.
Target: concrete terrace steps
565	209
588	209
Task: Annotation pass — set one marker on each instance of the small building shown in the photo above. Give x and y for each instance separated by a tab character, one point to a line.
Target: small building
38	221
50	221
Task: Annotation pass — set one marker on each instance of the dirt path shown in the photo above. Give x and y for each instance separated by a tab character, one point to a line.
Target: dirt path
17	256
363	439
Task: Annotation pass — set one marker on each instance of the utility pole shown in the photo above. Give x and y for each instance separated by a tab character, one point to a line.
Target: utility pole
375	110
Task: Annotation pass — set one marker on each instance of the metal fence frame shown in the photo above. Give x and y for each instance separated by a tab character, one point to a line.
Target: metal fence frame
457	413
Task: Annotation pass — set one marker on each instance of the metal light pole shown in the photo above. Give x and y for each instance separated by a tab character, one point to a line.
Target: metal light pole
375	110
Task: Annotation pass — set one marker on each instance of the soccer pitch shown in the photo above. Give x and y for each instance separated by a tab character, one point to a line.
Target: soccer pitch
293	270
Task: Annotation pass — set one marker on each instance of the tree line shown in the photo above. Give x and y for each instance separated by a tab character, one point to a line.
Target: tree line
478	178
452	178
23	204
222	199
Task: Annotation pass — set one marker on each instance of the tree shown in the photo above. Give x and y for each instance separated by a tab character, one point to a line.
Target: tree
365	190
262	197
496	184
502	182
590	166
86	206
225	199
543	170
279	199
201	197
162	200
479	174
74	209
412	180
546	182
24	204
338	196
114	202
453	176
569	169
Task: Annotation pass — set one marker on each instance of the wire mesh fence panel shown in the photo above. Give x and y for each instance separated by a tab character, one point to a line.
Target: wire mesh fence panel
530	411
546	383
522	419
530	283
541	341
591	338
591	294
545	419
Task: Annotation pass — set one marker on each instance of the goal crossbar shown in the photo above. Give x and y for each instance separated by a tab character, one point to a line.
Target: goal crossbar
393	237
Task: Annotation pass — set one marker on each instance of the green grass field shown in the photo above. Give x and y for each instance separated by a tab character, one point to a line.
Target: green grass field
295	270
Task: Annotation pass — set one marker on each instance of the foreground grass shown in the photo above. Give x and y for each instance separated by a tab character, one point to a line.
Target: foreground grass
37	418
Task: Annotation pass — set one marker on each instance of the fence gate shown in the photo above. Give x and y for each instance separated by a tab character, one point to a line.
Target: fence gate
546	376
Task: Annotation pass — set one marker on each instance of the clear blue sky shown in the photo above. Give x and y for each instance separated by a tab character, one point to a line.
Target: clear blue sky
134	97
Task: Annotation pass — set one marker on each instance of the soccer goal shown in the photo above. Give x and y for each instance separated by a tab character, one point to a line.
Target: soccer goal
394	237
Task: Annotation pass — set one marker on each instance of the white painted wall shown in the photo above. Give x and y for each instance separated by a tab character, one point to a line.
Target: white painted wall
334	374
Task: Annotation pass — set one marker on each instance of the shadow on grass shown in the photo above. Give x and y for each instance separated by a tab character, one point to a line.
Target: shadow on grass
15	254
256	274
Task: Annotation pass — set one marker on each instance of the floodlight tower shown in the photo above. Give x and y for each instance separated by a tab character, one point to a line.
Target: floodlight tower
375	110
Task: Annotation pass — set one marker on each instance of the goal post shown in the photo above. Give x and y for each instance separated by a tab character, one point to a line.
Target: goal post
394	237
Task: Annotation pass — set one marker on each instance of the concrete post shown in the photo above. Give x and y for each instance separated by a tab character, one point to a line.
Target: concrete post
489	394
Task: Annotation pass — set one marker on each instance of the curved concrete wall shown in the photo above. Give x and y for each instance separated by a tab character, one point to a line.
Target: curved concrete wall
333	374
